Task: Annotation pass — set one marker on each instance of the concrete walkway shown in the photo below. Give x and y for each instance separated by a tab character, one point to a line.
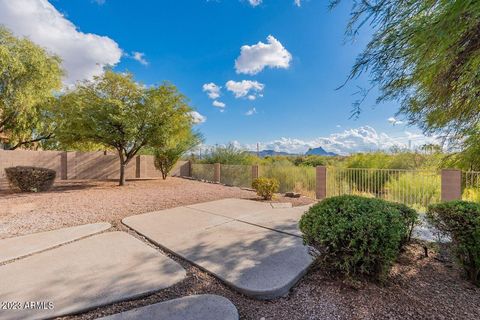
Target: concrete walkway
12	248
85	274
196	307
254	260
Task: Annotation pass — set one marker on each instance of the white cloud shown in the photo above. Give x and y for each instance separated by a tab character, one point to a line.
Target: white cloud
197	117
251	112
362	139
218	104
245	88
84	55
212	90
255	58
140	57
394	121
255	3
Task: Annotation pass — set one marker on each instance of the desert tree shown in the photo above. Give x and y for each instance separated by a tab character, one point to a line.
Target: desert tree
116	112
168	152
425	54
30	77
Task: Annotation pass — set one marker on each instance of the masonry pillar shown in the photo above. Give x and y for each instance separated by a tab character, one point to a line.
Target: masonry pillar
255	173
138	167
216	173
68	166
451	184
321	182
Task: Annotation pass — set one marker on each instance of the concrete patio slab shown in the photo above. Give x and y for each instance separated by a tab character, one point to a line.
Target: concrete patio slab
12	248
283	220
85	274
174	223
232	208
255	261
196	307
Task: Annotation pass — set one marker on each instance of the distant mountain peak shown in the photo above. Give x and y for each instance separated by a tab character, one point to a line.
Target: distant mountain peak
319	152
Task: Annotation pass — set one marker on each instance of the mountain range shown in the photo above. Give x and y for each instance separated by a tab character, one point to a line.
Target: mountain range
312	151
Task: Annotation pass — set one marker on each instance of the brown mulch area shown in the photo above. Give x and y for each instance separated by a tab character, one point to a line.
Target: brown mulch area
419	287
78	202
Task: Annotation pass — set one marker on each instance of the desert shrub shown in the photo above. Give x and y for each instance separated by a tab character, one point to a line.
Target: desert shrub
418	188
356	236
30	179
410	218
228	154
471	194
265	187
461	221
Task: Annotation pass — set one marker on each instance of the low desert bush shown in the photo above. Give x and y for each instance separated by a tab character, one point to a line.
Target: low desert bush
30	179
265	187
357	236
461	221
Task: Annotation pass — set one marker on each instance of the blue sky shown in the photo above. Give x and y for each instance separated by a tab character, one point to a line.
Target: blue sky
300	61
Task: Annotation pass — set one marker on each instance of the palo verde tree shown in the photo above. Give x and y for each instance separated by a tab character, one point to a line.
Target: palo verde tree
114	111
168	152
426	55
29	78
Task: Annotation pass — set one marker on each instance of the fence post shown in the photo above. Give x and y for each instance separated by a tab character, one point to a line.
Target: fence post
451	184
216	173
321	182
254	171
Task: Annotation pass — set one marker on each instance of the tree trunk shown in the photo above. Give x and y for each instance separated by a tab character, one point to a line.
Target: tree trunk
122	174
123	164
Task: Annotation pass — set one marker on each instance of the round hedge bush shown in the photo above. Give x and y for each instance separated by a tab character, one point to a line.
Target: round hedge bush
265	187
30	179
357	236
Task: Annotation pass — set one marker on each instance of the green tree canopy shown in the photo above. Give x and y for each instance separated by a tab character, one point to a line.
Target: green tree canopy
426	55
29	78
168	152
118	113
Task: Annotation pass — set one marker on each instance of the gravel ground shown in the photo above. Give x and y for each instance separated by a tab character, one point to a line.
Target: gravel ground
78	202
419	287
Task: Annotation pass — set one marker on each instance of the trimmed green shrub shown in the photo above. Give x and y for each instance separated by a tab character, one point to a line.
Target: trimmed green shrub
461	221
265	187
30	179
356	236
410	218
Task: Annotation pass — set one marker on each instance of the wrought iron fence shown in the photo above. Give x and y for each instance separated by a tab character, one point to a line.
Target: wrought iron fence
415	188
204	172
292	178
471	187
236	175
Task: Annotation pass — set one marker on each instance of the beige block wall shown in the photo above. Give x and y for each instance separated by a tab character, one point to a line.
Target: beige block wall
45	159
84	165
